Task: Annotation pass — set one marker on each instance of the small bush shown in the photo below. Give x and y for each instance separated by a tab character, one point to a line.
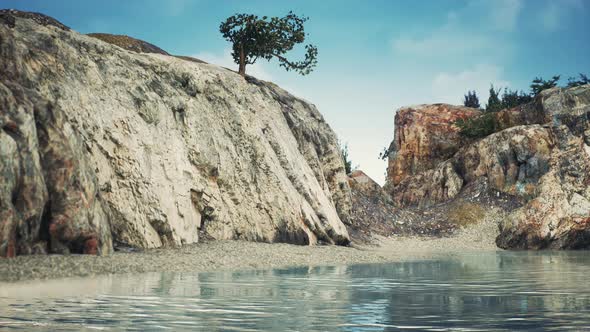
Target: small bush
465	214
480	126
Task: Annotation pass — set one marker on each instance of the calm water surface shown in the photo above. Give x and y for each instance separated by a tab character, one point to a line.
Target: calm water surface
502	291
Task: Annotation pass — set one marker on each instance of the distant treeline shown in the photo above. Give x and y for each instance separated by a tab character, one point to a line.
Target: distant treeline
500	99
488	123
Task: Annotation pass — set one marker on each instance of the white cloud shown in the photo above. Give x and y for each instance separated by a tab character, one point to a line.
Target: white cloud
461	34
226	60
175	7
442	42
504	13
554	14
450	87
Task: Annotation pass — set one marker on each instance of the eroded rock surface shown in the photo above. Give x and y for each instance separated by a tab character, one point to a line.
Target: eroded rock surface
425	136
541	160
102	145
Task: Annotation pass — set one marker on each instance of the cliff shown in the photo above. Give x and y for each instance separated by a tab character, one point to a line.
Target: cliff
424	136
536	168
102	146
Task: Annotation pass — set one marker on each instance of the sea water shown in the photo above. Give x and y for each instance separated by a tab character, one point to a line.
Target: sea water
495	291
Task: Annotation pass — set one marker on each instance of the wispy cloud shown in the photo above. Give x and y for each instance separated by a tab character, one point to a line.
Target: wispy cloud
175	7
503	14
461	33
450	87
554	14
441	42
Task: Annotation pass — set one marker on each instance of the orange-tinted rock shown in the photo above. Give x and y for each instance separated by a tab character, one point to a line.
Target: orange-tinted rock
541	158
425	135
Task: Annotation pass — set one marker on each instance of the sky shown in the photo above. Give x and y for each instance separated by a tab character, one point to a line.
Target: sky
375	56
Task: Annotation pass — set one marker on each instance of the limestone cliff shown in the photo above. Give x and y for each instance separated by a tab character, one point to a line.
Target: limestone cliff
424	136
101	145
541	160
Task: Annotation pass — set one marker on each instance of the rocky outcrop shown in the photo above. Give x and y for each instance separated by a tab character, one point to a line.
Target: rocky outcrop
425	135
512	161
129	43
541	160
100	145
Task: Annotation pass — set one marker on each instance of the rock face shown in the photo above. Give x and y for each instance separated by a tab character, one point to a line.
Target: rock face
102	145
424	136
541	159
129	43
373	211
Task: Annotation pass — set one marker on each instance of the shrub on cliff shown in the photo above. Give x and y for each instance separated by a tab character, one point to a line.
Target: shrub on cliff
346	159
479	126
267	37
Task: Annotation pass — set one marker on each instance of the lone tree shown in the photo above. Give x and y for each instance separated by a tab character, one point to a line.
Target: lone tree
346	159
471	100
253	38
494	102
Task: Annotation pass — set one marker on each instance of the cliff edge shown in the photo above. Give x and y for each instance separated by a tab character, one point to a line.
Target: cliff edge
101	147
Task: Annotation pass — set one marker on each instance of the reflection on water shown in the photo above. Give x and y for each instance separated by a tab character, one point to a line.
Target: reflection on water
501	291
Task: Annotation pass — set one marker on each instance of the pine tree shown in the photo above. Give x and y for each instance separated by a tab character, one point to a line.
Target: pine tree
513	98
539	84
494	103
266	38
582	80
471	100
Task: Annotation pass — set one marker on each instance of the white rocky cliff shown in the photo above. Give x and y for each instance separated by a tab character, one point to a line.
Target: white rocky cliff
101	145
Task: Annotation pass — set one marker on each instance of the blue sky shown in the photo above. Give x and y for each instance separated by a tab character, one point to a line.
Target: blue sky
374	56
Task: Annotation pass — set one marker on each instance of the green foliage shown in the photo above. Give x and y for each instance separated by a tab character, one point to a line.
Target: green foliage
471	100
383	155
539	84
494	103
488	123
513	98
346	159
266	38
582	80
480	126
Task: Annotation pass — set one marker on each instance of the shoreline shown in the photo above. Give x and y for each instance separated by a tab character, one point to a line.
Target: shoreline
242	255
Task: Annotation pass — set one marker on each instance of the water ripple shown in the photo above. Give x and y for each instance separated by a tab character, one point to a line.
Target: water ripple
501	291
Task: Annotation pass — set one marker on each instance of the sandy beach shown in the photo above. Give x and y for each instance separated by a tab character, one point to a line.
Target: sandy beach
240	255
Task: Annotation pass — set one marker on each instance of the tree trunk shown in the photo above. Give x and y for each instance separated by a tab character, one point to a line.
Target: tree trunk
242	70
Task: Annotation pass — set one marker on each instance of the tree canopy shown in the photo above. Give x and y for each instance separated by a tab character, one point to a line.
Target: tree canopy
494	103
539	84
266	38
471	100
512	98
581	80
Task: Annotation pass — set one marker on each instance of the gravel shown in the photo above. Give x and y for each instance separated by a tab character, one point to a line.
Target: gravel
239	255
